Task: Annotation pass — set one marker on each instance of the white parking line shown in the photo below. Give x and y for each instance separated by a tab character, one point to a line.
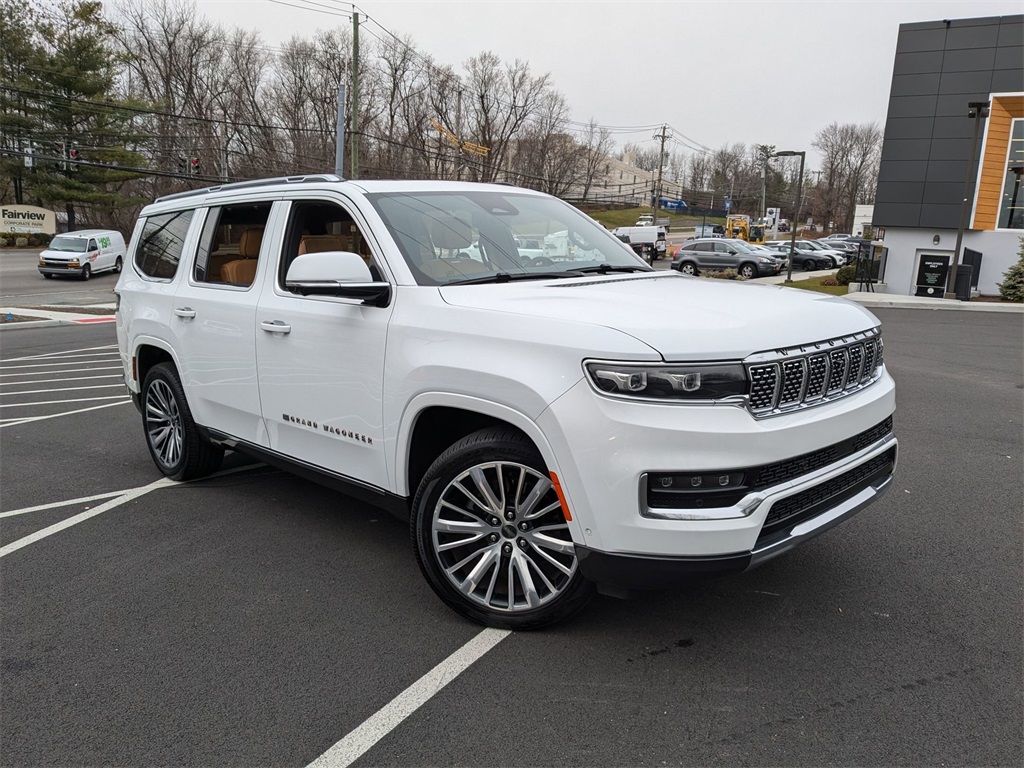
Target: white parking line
29	419
108	353
389	717
56	364
61	402
76	370
56	504
131	495
58	354
62	389
52	381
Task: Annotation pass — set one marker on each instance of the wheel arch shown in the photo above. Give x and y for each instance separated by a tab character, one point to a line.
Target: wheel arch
148	352
433	422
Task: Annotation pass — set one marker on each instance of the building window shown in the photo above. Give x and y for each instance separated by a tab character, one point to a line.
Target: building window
1011	204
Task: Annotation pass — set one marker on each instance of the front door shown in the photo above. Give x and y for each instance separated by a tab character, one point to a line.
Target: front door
321	359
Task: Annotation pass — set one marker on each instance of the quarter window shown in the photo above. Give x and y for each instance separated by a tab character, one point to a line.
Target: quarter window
161	243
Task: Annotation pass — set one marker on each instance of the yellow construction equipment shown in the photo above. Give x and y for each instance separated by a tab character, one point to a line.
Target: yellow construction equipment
739	226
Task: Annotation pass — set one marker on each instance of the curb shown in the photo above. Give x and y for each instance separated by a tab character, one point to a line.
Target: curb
33	324
939	305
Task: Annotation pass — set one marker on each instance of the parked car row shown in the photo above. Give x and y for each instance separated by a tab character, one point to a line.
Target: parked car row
810	254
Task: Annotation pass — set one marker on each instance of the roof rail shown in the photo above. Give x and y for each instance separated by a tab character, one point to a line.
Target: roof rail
251	184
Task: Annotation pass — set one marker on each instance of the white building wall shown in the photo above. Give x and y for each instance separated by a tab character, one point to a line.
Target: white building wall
999	250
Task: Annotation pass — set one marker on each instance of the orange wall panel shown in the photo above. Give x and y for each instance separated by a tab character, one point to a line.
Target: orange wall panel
993	165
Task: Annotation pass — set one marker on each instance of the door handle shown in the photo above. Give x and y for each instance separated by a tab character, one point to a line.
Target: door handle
275	326
185	312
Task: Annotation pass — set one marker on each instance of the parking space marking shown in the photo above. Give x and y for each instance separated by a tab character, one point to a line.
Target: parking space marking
125	496
62	389
75	370
81	517
68	353
29	419
56	504
53	381
391	715
61	402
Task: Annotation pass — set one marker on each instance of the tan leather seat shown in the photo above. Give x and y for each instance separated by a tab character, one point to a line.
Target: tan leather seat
321	244
444	269
242	271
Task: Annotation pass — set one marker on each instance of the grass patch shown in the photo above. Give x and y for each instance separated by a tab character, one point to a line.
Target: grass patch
626	217
814	284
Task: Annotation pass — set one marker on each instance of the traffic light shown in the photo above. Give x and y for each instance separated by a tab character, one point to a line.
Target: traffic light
73	155
194	168
182	165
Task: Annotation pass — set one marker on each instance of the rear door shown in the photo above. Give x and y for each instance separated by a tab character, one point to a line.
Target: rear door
214	317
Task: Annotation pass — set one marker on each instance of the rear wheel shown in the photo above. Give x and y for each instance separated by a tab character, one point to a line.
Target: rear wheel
688	268
748	271
86	272
173	439
490	536
117	265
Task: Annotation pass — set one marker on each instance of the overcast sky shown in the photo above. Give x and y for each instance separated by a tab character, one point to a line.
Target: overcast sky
716	71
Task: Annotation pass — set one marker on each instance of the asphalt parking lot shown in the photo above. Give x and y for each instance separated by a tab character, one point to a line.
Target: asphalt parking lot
256	619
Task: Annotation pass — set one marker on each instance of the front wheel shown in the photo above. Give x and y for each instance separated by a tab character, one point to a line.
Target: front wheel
490	536
47	275
173	439
748	271
86	272
809	265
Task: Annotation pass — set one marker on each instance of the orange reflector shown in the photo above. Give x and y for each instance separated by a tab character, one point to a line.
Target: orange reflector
561	496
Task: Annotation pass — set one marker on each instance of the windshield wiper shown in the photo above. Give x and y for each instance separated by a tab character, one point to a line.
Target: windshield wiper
506	277
606	268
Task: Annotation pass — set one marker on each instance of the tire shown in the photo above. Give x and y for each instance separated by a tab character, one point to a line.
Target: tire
117	265
824	265
173	439
809	265
481	542
86	272
688	268
47	275
748	271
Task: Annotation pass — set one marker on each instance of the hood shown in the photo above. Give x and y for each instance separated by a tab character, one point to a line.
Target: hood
682	318
63	255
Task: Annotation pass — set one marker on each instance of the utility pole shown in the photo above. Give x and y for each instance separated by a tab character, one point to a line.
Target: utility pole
664	136
354	129
339	138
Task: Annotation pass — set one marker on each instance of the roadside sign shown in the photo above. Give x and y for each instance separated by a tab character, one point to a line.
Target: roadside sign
727	203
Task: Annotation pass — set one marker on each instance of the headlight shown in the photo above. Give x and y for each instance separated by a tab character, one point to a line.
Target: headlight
764	260
696	381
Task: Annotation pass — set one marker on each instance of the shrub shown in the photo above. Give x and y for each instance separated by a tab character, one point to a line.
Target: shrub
1012	287
21	242
3	241
845	275
830	280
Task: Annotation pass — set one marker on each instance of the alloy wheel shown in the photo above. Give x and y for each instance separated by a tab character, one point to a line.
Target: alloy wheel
501	539
163	423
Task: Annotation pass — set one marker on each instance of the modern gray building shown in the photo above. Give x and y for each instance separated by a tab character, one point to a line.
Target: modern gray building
940	69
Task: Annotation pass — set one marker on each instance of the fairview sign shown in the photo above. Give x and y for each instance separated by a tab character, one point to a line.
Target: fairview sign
27	219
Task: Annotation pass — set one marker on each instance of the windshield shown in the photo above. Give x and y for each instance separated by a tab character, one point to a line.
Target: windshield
461	236
69	244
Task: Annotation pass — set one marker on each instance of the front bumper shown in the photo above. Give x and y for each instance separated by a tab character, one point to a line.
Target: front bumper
57	268
606	449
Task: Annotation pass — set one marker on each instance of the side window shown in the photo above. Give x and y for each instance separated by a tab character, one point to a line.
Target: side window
92	246
704	247
159	249
317	226
229	246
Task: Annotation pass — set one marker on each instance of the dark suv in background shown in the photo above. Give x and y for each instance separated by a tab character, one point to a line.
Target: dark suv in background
706	253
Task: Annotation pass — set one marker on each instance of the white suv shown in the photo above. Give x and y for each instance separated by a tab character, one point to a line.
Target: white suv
548	424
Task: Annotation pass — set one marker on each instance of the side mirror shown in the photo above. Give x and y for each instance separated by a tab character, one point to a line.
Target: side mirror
336	273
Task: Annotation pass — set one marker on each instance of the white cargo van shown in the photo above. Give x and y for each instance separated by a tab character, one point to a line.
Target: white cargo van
83	253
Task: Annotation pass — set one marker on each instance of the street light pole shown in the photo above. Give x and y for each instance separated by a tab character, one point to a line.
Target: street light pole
977	111
796	214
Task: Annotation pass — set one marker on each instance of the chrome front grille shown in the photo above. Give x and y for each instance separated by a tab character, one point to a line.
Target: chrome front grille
800	377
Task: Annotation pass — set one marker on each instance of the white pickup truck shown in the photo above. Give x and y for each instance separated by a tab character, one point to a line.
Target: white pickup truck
548	428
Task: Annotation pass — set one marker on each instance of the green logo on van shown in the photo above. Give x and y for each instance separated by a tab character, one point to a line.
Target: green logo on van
104	242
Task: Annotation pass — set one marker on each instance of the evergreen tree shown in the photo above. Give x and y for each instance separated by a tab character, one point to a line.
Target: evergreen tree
20	57
80	119
1012	287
